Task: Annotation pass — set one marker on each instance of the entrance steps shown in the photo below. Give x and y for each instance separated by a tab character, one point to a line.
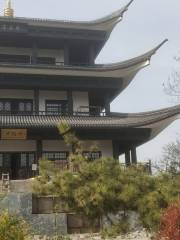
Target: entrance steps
5	187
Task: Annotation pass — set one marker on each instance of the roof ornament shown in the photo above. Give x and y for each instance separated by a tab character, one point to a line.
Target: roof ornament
8	10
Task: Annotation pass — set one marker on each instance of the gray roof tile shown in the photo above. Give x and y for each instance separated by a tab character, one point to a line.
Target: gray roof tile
117	120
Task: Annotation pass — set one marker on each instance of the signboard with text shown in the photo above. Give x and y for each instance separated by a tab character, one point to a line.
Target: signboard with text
14	134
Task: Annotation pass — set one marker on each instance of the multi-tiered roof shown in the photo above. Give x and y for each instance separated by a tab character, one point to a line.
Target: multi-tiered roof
104	81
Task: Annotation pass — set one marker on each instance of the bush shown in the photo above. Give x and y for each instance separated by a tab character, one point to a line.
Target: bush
61	237
170	223
122	227
12	228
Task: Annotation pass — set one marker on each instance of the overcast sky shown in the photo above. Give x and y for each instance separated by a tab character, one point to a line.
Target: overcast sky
145	25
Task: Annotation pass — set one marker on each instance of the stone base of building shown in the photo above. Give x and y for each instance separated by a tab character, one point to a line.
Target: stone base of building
41	224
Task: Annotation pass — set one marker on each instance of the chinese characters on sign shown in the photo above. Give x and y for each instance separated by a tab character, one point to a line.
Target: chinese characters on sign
16	134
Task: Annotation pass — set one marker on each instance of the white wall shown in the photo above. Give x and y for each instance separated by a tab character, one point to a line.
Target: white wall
105	146
80	99
56	53
13	93
58	145
50	95
17	146
54	145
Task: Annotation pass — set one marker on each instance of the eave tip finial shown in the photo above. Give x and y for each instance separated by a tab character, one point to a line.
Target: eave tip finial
162	43
8	10
130	3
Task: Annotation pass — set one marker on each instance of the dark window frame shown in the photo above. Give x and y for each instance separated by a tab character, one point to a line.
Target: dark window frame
62	106
54	153
20	153
15	58
46	60
89	155
15	102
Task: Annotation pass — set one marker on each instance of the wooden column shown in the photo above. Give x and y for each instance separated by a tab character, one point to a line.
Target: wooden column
34	54
38	155
39	150
70	102
107	105
91	55
36	100
115	150
66	54
127	158
133	155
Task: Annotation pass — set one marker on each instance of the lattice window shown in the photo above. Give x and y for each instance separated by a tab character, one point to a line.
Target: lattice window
92	155
31	158
25	106
5	106
56	107
23	159
56	156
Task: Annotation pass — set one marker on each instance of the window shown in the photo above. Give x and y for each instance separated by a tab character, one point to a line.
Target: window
27	159
25	106
46	60
16	106
92	155
23	159
56	156
14	58
56	107
31	159
6	160
5	106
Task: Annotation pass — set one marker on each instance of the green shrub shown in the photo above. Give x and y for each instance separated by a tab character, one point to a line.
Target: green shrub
12	227
61	237
122	227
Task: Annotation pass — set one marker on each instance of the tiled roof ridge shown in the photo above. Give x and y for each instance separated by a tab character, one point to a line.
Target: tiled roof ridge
100	67
131	120
116	15
153	112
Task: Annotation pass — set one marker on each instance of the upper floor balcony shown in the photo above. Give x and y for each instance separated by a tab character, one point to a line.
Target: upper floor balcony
86	111
26	61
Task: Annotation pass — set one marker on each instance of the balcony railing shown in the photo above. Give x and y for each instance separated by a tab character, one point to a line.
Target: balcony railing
47	113
46	64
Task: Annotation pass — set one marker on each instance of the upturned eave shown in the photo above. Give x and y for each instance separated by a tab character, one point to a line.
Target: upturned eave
106	23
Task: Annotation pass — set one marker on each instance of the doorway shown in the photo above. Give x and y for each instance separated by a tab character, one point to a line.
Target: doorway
17	164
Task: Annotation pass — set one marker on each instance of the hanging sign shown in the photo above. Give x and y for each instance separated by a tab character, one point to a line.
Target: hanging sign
13	134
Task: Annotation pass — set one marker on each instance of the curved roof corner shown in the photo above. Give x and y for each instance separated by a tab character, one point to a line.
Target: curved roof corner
108	22
154	50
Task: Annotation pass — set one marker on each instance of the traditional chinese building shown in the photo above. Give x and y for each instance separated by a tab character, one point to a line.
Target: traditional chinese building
48	75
